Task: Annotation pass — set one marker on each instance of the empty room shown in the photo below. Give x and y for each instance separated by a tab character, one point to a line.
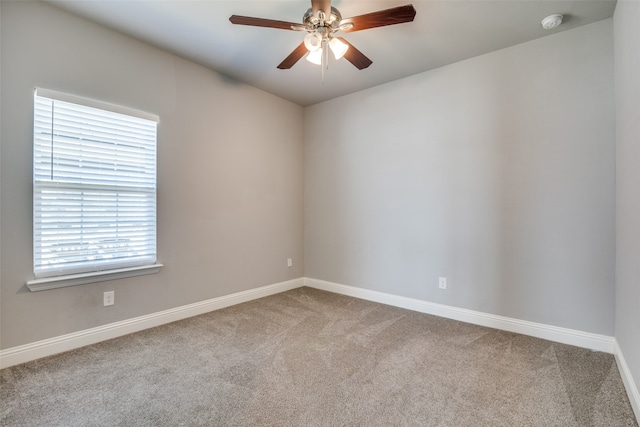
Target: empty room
312	212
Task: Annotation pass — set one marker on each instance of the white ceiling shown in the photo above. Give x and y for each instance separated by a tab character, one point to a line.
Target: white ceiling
443	32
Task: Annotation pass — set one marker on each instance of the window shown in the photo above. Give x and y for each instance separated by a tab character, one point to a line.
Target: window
94	191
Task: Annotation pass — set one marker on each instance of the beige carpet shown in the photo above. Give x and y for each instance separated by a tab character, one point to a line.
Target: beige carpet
306	358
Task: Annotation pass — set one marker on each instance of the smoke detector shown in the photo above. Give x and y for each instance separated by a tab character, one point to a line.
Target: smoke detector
552	21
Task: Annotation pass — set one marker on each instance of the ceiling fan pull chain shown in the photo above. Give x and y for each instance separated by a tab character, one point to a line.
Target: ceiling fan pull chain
325	57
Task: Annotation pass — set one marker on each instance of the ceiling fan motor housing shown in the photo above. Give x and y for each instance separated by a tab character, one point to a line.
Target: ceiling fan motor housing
312	23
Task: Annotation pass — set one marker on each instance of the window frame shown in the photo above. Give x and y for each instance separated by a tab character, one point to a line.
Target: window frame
99	273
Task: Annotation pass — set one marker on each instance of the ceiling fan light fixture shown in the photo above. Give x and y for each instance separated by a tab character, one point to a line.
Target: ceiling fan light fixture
315	57
338	48
321	22
313	42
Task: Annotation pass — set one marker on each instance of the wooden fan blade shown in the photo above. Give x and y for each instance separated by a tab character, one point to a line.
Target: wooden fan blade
381	18
260	22
324	5
354	56
293	57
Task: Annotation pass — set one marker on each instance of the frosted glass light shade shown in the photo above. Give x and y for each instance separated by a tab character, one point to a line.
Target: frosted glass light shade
315	57
338	48
312	41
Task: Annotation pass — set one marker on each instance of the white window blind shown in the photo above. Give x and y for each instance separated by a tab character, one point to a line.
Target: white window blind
94	187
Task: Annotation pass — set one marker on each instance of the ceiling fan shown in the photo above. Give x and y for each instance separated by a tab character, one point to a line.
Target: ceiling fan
321	22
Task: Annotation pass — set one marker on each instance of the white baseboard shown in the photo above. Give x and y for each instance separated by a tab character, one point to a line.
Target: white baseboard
552	333
629	384
28	352
25	353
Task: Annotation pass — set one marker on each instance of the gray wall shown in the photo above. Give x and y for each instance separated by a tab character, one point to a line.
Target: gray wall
497	172
627	70
229	185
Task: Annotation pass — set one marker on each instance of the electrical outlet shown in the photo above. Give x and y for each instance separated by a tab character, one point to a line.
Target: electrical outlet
109	298
442	283
289	262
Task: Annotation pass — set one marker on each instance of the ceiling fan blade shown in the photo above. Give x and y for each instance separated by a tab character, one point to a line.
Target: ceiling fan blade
324	5
260	22
396	15
354	56
293	57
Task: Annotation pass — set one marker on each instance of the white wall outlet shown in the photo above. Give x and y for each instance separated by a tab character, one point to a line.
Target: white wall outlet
442	283
289	262
109	298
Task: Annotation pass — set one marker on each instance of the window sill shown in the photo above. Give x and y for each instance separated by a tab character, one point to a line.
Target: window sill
84	278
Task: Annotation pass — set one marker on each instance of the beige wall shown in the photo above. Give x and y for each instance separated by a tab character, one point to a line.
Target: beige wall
229	184
627	72
497	172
